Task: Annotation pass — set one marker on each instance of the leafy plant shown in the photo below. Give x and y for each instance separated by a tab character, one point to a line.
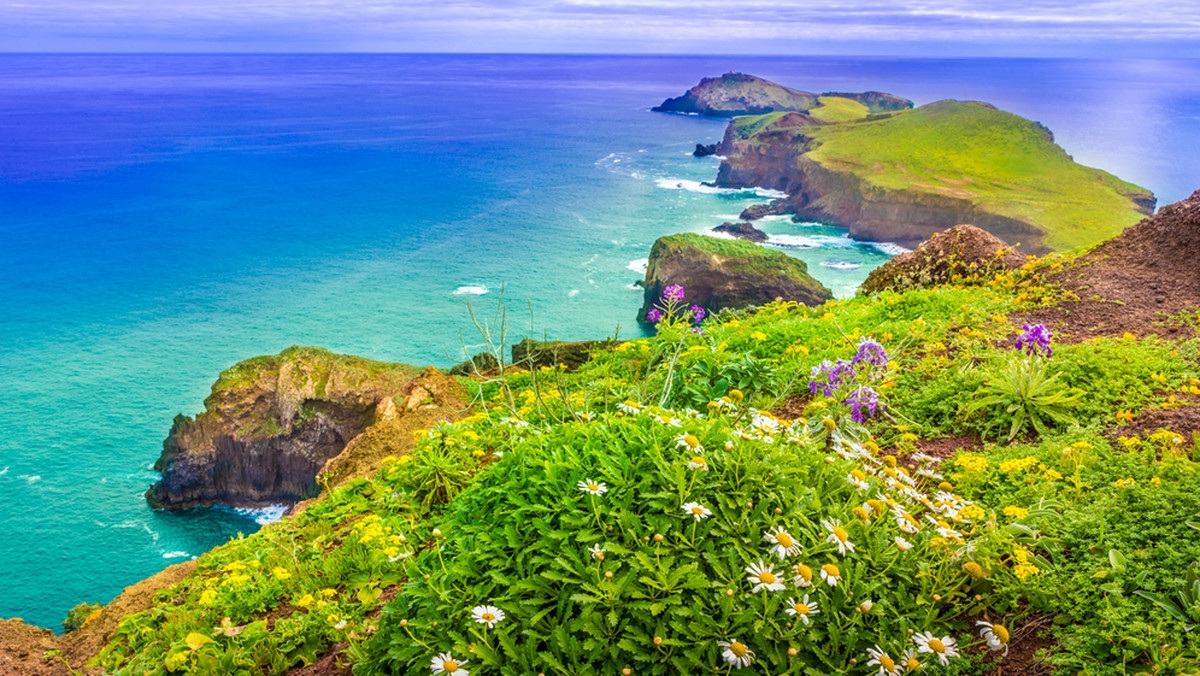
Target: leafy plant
1023	394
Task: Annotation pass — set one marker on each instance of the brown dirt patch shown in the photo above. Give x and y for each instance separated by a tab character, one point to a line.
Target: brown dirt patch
1184	420
328	664
792	407
947	446
22	647
1136	280
1028	639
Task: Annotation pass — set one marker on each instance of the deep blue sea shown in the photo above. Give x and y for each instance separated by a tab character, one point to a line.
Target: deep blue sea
162	217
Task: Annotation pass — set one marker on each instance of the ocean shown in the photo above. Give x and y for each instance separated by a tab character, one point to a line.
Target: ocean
163	217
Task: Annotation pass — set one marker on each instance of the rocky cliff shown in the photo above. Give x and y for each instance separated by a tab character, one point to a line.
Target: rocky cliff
269	426
902	176
721	273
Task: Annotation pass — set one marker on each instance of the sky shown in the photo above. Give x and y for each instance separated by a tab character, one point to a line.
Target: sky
1087	28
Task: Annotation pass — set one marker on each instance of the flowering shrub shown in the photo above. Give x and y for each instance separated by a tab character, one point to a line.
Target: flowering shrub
851	379
669	542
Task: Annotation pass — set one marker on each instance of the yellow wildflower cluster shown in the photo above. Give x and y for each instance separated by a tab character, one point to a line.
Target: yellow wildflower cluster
1018	464
971	462
1015	512
1023	565
1125	483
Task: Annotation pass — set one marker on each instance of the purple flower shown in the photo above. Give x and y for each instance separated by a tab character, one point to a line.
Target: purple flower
673	293
1035	340
697	329
697	314
870	351
863	397
654	315
834	374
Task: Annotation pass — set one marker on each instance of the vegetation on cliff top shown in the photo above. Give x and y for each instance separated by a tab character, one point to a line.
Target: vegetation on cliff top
1001	162
662	510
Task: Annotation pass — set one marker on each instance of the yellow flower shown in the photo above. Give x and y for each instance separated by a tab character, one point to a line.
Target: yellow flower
304	601
280	573
971	462
208	597
1124	483
973	569
1018	464
1014	512
759	336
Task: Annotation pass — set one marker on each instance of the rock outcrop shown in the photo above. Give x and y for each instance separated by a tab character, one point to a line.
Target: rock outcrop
721	273
903	176
269	426
962	250
734	94
704	150
742	230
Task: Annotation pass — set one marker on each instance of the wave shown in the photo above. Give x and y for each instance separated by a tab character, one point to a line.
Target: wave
697	186
572	293
174	555
639	266
31	479
889	248
809	242
3	471
263	515
470	290
841	265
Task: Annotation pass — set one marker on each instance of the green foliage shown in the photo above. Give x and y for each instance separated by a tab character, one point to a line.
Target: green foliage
707	380
80	614
1020	395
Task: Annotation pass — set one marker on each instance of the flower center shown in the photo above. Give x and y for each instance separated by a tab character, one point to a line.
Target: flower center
804	572
738	649
593	487
831	570
911	663
802	608
1000	632
450	666
487	617
698	510
766	577
691	441
784	540
887	663
937	645
698	461
840	533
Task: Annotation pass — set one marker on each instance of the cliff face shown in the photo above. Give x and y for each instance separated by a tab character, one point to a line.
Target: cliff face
901	177
718	273
269	426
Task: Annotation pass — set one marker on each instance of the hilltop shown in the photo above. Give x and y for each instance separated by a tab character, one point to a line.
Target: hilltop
735	94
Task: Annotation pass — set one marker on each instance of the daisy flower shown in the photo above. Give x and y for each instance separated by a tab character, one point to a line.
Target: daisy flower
857	482
667	420
887	666
593	487
446	664
838	536
909	660
802	609
996	635
488	615
696	510
630	406
941	648
698	462
803	576
763	576
736	653
783	544
902	544
597	552
830	574
690	442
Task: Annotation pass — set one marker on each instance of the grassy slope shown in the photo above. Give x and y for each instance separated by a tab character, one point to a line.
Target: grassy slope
333	562
999	160
838	109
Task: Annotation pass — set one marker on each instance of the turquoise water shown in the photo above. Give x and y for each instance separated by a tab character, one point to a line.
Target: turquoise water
166	216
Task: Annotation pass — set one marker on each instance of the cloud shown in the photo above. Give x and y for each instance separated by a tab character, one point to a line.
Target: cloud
591	25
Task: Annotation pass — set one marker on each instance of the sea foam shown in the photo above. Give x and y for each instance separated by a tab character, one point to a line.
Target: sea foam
698	187
264	515
639	266
470	290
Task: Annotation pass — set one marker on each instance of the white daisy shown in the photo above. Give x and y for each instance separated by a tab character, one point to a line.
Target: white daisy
667	420
488	615
802	609
401	555
902	544
597	552
784	545
941	648
764	577
690	442
996	635
887	666
857	483
831	574
803	576
630	406
698	462
696	510
736	653
838	536
909	661
593	487
446	664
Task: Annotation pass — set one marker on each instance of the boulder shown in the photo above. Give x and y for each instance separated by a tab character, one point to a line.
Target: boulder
961	250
